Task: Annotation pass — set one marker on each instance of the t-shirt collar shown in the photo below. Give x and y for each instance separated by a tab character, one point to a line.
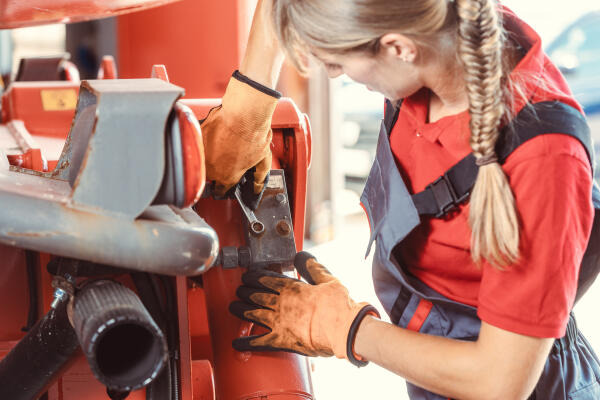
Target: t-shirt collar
415	107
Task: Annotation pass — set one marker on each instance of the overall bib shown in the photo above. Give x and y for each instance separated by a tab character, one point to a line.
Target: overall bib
572	370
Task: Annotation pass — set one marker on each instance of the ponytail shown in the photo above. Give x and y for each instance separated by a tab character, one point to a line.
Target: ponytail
493	215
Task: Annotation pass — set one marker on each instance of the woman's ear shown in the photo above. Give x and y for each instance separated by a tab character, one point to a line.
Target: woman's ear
399	46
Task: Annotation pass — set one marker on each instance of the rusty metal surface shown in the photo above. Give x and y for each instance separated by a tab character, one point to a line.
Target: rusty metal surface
274	245
114	157
95	205
20	13
24	139
160	241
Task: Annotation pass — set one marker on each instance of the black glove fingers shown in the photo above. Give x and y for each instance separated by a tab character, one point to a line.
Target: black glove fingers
300	261
257	297
250	313
307	266
267	281
252	279
243	343
258	343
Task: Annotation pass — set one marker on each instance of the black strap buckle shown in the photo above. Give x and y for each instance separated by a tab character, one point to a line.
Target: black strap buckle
445	196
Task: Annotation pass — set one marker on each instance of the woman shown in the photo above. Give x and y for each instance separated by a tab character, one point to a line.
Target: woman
481	296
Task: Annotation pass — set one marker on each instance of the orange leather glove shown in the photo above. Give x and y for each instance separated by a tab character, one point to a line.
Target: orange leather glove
314	319
237	134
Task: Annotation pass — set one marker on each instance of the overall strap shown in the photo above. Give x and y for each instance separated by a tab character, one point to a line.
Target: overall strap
390	115
454	186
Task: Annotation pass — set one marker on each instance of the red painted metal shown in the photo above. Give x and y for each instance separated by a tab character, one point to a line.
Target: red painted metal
19	13
159	71
108	68
200	42
247	376
13	282
185	353
204	383
291	149
25	101
209	367
194	170
70	70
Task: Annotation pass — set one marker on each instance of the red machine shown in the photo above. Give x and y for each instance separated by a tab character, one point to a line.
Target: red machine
99	245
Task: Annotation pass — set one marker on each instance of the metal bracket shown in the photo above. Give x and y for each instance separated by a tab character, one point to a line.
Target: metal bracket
276	244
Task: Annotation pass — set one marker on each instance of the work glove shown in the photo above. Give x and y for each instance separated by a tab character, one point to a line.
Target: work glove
317	318
237	134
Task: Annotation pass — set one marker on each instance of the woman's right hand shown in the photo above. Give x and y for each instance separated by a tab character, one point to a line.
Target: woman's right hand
237	135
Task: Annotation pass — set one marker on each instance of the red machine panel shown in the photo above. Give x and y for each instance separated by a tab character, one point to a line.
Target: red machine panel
209	368
19	13
200	42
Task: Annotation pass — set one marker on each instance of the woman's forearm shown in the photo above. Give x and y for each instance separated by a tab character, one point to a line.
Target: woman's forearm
263	57
453	368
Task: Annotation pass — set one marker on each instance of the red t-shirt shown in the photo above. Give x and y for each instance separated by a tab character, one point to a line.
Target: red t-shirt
550	176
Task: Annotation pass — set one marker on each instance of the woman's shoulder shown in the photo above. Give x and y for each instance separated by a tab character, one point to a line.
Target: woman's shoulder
552	109
550	145
562	150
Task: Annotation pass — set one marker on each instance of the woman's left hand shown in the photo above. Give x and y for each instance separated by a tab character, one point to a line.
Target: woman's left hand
315	319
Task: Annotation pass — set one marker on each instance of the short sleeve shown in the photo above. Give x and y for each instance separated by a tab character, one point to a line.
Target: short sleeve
550	176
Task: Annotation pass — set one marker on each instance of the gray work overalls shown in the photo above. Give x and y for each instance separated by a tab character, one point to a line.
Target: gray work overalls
572	370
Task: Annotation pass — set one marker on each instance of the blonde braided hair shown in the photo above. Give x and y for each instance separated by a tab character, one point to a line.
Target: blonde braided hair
440	28
493	216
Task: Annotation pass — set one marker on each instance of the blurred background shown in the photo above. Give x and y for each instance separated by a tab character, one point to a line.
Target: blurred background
345	119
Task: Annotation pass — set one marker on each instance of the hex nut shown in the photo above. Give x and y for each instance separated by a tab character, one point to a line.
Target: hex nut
229	257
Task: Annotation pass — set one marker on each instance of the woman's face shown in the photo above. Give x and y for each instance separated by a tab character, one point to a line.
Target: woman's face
385	73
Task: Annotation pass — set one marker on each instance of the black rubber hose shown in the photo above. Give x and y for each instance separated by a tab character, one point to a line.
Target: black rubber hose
32	261
125	348
39	357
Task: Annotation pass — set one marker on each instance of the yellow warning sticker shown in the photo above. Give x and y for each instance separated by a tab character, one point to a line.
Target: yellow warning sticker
59	99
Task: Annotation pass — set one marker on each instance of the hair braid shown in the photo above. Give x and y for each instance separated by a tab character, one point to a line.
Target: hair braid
493	216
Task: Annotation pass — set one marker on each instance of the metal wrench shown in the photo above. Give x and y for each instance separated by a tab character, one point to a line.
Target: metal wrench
256	226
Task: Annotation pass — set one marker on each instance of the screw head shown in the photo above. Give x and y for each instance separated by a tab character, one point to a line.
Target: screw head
283	228
280	197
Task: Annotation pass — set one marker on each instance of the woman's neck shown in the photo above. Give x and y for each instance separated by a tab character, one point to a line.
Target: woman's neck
447	84
448	91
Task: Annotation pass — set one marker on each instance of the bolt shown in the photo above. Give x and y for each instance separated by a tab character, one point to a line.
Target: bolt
244	257
59	295
283	228
280	197
229	257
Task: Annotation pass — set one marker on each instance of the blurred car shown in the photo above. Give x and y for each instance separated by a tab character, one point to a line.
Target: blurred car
576	52
361	111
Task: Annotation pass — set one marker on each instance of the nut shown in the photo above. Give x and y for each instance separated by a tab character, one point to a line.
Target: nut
283	228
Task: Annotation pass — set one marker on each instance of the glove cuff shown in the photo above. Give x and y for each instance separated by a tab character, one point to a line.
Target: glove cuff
258	86
247	111
350	354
